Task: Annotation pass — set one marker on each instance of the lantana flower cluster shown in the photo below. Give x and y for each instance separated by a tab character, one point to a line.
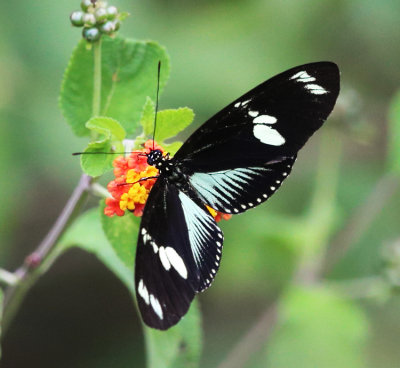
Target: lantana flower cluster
127	192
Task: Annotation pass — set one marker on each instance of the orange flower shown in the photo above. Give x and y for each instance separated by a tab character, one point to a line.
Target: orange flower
218	216
112	208
128	193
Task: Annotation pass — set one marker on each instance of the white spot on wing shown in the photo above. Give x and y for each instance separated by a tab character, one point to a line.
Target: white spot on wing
253	113
237	104
142	290
303	76
267	135
265	119
156	306
315	89
164	259
176	261
155	248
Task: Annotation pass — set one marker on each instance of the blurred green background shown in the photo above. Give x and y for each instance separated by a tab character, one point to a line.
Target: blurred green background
79	315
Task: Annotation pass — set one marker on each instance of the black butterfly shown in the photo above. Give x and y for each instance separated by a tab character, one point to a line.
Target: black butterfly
233	162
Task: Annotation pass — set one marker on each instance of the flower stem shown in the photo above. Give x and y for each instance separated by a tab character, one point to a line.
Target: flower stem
21	280
7	278
96	103
99	191
26	273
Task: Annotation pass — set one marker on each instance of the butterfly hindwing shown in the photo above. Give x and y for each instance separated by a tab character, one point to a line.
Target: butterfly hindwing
179	249
237	190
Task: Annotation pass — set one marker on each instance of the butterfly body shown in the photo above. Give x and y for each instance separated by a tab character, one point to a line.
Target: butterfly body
168	168
232	163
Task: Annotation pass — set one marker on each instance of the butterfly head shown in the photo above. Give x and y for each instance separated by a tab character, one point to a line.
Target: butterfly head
154	157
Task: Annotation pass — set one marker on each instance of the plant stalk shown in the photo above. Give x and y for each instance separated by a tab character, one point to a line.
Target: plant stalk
21	280
7	278
96	103
26	273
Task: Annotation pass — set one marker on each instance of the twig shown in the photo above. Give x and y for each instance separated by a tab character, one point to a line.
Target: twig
26	275
319	216
255	338
361	288
360	220
15	293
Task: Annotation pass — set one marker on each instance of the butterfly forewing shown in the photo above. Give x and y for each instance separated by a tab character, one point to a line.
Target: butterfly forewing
241	156
178	254
269	123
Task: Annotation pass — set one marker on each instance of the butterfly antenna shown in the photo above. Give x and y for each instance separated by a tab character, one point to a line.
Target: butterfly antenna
99	153
158	89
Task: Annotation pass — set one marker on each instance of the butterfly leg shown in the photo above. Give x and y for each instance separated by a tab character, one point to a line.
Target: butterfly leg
141	179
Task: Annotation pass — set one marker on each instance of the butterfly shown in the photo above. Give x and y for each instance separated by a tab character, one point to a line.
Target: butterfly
235	161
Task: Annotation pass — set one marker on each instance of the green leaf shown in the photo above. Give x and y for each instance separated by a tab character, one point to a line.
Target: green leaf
129	75
95	163
178	347
1	313
172	148
147	119
318	329
171	122
394	135
108	127
111	136
122	233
